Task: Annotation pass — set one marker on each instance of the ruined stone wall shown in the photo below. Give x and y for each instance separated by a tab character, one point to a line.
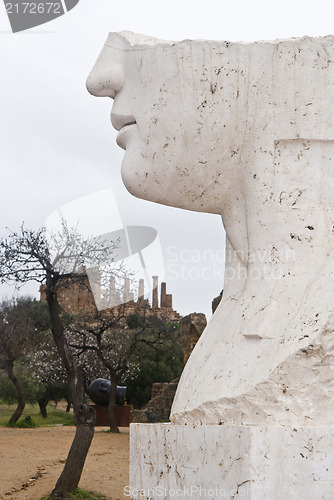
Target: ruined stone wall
73	296
191	328
158	408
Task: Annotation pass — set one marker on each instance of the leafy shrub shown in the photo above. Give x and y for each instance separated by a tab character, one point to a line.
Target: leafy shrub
25	423
31	387
80	494
163	363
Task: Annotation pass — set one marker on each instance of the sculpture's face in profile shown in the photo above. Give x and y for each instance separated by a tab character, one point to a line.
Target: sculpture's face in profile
165	111
199	119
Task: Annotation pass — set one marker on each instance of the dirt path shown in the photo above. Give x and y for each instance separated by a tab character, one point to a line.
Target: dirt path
32	459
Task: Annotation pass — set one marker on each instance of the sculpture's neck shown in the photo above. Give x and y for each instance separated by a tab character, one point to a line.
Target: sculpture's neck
280	225
291	244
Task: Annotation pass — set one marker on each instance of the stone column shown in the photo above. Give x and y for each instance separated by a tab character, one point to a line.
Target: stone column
163	296
169	301
155	300
112	293
141	290
94	275
126	290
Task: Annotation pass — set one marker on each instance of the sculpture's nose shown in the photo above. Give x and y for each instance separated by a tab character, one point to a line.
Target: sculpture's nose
107	75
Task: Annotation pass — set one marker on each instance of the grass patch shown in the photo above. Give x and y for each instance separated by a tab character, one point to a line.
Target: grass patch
56	417
25	423
80	494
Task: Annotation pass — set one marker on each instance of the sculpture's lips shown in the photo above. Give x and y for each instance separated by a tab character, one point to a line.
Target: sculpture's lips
124	134
122	123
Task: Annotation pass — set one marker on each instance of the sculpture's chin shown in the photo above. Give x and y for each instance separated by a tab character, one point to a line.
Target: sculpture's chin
165	183
132	177
140	179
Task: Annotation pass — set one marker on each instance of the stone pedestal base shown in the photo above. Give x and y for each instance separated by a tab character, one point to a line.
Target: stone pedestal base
231	462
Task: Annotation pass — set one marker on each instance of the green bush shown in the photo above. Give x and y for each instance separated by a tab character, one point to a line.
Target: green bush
80	494
163	363
25	423
56	417
31	388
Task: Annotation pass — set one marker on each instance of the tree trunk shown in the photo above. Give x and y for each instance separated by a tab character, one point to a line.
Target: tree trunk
68	406
84	415
70	477
19	391
111	407
42	403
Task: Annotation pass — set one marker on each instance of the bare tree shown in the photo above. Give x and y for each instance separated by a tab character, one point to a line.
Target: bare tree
54	259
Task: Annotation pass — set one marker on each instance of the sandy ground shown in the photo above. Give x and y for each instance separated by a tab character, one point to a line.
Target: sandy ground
31	461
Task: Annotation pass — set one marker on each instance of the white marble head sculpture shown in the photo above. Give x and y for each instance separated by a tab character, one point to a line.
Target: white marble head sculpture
245	131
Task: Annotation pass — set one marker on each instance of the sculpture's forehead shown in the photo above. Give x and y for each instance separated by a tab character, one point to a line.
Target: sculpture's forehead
127	40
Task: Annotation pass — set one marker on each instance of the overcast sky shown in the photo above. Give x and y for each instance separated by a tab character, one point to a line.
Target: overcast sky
57	143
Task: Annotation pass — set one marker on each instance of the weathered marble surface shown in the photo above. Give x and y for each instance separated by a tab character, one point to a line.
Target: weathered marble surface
231	462
245	131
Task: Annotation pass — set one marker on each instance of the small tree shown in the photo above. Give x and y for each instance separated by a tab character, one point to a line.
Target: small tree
112	341
16	331
31	387
54	259
45	364
162	363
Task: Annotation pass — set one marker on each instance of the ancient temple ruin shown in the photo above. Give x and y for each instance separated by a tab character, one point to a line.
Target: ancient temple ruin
84	293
